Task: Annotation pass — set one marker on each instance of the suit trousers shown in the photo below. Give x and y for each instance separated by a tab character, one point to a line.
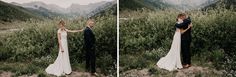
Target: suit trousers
185	51
90	60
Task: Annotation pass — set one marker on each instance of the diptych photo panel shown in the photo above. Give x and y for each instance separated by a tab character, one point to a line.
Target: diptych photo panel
58	38
177	38
117	38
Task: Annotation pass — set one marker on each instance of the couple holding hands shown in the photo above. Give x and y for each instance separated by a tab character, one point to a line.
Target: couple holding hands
61	65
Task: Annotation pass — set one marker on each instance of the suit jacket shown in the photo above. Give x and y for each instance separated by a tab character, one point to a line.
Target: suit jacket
186	35
89	38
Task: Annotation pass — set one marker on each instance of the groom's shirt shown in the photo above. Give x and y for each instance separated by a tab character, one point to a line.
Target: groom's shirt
89	38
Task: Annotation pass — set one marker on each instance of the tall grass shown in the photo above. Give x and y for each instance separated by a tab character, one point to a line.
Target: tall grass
147	35
36	43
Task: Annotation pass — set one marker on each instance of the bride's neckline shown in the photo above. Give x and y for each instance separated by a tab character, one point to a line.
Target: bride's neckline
62	29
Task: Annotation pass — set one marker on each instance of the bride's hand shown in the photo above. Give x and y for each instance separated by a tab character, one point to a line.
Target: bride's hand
62	50
190	25
80	30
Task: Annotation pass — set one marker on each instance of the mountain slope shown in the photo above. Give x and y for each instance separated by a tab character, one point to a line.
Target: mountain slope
45	10
9	13
37	5
109	7
181	5
137	4
106	11
133	5
228	4
82	10
75	10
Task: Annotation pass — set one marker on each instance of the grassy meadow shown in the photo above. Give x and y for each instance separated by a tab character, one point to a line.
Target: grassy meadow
146	36
32	46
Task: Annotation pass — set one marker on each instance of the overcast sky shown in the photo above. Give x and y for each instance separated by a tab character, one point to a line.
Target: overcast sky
62	3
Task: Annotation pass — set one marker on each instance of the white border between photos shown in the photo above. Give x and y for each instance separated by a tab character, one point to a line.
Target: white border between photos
117	22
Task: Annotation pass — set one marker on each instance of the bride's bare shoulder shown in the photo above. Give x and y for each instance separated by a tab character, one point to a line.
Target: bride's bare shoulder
178	29
59	31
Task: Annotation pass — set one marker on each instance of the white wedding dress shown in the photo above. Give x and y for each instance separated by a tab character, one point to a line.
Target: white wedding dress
172	60
62	64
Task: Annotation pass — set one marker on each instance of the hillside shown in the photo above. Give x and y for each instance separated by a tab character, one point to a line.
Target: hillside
181	5
228	4
109	8
43	12
9	13
38	4
73	11
138	4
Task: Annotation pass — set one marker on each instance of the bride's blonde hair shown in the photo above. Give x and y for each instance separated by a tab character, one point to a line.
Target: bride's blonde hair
61	23
180	15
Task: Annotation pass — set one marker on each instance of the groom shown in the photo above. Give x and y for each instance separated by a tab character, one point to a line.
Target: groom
186	38
89	40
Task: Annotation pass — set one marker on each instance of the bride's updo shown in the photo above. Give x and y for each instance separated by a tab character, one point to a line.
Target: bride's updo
61	23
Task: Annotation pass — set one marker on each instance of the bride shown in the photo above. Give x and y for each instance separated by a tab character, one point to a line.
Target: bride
61	66
172	60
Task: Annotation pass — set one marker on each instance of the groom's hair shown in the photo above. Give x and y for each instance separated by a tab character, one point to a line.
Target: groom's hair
89	21
180	15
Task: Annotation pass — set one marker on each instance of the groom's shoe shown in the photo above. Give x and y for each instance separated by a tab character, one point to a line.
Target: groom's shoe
94	74
187	66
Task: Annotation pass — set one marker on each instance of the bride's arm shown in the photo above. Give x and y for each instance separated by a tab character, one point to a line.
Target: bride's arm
59	41
74	30
81	30
190	25
71	30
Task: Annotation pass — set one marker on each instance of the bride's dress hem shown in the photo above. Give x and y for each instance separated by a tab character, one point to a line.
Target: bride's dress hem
172	60
61	65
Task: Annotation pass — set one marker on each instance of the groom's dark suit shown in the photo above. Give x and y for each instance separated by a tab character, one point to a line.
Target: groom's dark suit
89	40
186	39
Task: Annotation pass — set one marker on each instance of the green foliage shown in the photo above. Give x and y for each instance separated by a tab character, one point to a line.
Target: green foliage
153	70
155	54
143	32
20	68
132	62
